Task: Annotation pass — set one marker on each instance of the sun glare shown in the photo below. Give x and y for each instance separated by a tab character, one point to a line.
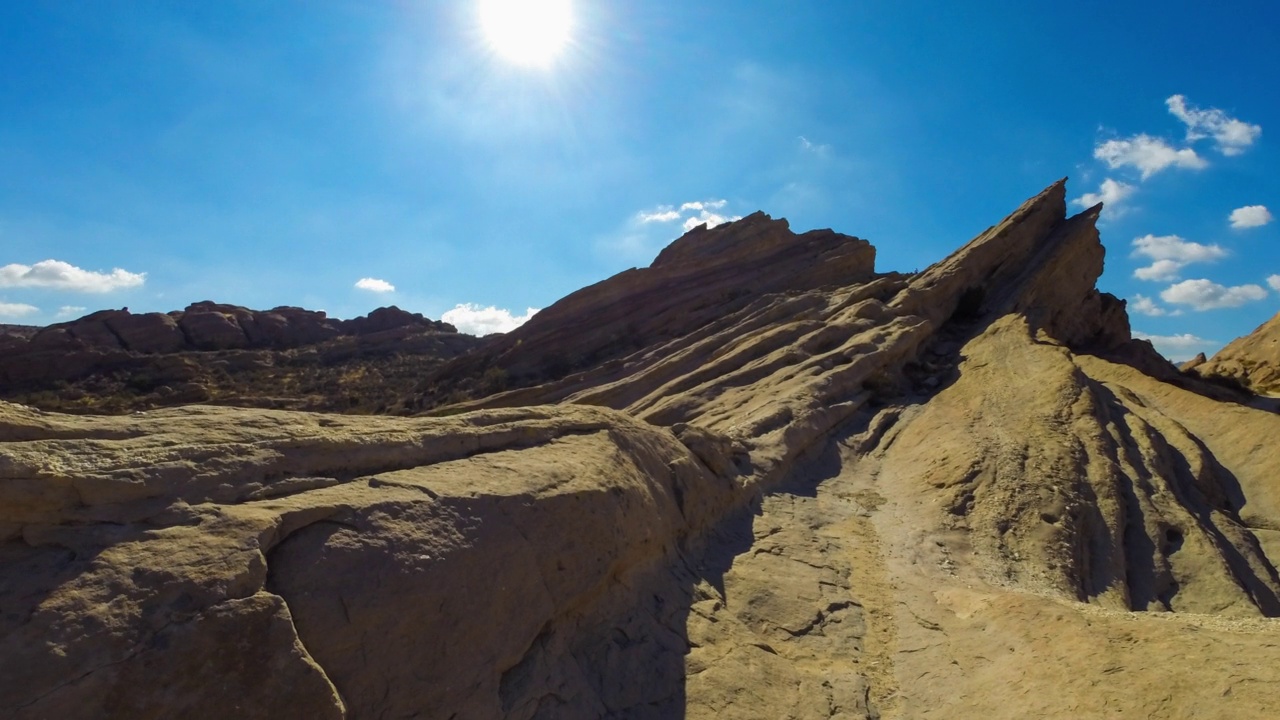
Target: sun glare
527	32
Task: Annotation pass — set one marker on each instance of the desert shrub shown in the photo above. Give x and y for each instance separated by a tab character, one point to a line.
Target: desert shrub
493	381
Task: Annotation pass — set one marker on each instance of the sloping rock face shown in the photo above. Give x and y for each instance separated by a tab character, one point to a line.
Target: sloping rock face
1252	361
116	361
692	285
963	493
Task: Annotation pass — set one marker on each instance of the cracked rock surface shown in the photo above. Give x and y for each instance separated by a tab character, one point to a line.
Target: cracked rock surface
757	479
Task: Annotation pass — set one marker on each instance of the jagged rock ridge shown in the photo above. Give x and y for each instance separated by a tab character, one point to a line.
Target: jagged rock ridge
840	494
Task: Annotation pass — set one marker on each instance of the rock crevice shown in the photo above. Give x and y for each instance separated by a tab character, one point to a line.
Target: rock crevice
755	479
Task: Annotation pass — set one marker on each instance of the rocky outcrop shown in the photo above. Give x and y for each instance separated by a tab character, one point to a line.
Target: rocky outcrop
115	361
132	572
962	493
692	285
215	326
1251	362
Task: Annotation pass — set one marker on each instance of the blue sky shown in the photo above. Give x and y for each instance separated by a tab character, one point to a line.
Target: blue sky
263	154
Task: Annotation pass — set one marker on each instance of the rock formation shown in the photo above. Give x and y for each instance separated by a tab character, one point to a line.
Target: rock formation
756	479
117	361
1252	362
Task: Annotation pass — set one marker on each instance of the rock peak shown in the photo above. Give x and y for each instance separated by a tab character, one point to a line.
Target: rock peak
756	479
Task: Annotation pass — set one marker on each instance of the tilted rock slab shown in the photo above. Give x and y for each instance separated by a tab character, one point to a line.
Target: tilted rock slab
816	492
1253	361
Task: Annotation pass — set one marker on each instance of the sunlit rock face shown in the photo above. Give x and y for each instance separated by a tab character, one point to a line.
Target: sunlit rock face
1251	362
756	479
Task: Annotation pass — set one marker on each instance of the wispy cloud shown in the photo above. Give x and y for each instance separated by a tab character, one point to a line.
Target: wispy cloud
1204	295
59	275
375	285
67	311
1178	347
1144	305
703	205
662	214
1231	136
1148	154
1170	254
14	311
709	219
645	232
701	213
1111	193
479	320
1274	282
1250	216
808	145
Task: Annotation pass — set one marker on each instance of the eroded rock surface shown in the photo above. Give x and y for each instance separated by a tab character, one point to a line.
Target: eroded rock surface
810	492
117	361
1252	362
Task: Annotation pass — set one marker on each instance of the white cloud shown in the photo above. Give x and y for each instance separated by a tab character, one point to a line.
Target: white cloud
1172	247
1250	216
1148	154
1274	282
1144	305
11	311
704	205
648	230
663	213
59	275
711	219
1232	136
701	208
1170	254
1208	295
375	285
809	146
1159	271
1178	347
70	311
476	320
1111	193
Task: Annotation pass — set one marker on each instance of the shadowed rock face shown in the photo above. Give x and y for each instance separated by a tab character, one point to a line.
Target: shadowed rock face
202	326
692	286
117	361
766	481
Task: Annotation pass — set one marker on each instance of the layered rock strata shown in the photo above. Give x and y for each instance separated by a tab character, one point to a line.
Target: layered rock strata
69	350
804	493
1251	362
116	361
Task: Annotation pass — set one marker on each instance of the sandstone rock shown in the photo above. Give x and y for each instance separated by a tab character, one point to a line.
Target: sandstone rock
12	344
963	493
1252	362
691	285
92	331
147	332
389	318
1194	362
289	327
211	328
116	361
53	338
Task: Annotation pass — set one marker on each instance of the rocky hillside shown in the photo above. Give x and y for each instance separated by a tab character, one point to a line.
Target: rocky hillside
117	361
757	479
1252	362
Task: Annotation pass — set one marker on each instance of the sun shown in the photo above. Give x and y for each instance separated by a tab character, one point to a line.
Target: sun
527	32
